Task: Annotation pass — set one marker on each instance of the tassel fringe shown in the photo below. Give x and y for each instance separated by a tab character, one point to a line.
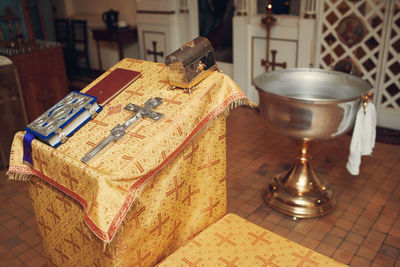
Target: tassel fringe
239	103
16	176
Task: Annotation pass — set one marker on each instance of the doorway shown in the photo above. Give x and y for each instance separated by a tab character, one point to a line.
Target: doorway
215	23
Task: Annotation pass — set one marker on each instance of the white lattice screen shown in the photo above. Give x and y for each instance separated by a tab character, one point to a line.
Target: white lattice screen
376	56
390	96
367	52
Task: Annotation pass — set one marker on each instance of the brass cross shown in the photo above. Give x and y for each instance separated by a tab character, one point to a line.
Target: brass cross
269	20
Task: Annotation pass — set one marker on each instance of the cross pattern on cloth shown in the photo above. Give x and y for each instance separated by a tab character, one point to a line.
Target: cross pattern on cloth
108	185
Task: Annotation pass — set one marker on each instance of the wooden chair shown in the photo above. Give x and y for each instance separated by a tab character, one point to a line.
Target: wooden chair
62	32
63	36
80	44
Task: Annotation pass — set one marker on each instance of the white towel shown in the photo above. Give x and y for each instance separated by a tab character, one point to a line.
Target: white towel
363	140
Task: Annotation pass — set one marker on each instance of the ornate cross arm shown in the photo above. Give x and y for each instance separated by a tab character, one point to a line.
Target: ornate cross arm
118	131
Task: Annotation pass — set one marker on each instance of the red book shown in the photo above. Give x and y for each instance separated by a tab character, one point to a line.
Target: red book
112	85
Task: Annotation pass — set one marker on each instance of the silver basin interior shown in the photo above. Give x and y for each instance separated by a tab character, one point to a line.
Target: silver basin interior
312	84
310	103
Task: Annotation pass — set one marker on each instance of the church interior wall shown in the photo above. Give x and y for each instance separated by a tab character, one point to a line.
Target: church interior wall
92	11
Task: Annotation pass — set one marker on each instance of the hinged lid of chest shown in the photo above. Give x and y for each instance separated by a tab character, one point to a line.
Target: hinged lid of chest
191	63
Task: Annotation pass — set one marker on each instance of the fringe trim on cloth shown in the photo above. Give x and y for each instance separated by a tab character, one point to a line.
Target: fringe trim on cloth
17	176
239	103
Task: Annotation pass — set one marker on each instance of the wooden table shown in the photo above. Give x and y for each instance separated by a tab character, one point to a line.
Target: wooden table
121	36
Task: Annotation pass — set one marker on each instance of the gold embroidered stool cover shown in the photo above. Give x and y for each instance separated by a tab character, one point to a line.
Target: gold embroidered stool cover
146	194
234	241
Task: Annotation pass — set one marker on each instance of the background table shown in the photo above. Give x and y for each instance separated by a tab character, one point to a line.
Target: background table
121	36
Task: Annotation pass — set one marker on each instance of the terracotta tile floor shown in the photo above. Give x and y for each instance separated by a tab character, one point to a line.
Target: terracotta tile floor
364	230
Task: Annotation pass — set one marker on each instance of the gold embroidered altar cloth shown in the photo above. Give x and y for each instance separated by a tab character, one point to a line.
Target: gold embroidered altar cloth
159	185
234	241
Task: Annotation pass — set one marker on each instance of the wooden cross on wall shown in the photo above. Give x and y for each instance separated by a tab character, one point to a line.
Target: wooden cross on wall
269	20
273	63
154	52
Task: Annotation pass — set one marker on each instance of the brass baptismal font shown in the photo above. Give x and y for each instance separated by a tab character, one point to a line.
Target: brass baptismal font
307	105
